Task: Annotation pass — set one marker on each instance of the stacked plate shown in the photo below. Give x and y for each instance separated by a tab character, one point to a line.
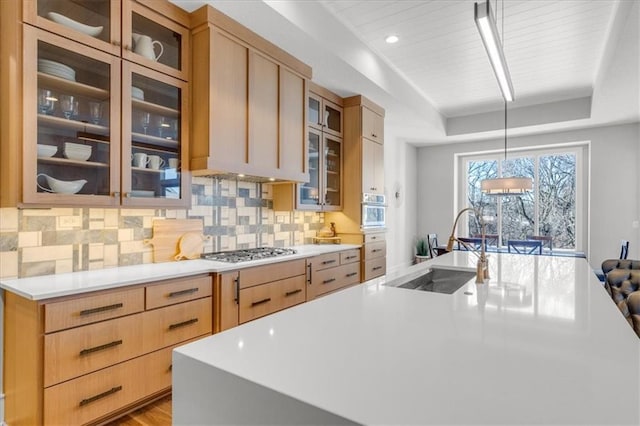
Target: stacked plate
137	93
75	151
56	69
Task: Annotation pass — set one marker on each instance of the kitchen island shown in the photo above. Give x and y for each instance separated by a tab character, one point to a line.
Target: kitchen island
540	343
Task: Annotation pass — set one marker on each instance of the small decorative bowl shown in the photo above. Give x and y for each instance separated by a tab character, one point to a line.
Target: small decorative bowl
46	151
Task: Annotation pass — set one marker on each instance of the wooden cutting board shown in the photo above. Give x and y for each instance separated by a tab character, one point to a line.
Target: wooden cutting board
167	234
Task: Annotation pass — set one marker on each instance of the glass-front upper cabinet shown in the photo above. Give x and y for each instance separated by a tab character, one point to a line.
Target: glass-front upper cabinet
92	22
71	122
154	138
324	115
155	41
324	190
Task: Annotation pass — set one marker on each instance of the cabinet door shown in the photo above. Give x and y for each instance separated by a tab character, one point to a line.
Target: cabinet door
95	23
315	117
372	167
372	125
332	118
309	193
226	297
333	173
263	115
155	132
71	122
292	162
155	41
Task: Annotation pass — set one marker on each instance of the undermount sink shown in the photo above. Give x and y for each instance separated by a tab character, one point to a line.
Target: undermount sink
439	281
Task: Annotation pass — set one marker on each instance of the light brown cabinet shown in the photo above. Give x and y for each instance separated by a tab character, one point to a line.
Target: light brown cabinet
250	293
86	358
372	125
372	167
333	271
95	129
250	97
324	111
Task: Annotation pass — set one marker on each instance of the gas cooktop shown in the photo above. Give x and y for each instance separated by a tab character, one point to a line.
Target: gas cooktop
235	256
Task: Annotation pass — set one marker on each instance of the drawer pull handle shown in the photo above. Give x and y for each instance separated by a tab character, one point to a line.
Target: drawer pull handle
330	280
374	238
292	292
350	257
100	395
183	292
326	262
375	250
101	309
352	274
377	267
260	302
183	323
101	347
170	367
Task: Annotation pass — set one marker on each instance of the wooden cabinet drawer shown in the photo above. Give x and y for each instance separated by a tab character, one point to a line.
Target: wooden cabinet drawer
274	272
375	250
265	299
85	310
325	261
333	279
375	268
374	237
81	350
349	256
176	291
176	323
94	395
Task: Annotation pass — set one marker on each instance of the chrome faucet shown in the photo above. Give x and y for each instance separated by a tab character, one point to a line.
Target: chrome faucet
482	267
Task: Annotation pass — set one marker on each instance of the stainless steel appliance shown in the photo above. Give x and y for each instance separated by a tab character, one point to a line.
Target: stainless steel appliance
373	210
235	256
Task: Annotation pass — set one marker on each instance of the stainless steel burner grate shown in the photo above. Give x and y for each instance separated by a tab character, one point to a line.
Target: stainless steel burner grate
235	256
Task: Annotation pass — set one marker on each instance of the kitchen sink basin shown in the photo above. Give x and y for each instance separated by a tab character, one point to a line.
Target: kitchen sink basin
440	281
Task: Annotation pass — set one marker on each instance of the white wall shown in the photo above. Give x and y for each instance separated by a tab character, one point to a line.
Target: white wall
400	173
614	200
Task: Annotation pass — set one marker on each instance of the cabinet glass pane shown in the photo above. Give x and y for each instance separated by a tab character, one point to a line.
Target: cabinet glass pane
309	192
91	17
333	170
332	119
73	122
155	138
155	42
314	111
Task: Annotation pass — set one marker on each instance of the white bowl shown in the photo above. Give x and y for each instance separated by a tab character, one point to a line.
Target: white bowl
62	186
74	151
137	93
68	22
45	151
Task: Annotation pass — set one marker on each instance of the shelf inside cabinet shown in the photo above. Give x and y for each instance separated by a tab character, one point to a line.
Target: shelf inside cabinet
63	123
155	108
153	140
67	162
144	169
63	85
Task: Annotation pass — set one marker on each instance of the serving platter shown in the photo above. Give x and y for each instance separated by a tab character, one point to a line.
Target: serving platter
75	25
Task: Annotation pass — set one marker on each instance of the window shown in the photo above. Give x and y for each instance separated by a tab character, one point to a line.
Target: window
552	209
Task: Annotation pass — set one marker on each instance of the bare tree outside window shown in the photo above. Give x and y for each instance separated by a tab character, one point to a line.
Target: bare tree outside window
549	210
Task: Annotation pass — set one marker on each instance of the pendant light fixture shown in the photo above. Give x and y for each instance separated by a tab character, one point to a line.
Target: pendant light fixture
489	32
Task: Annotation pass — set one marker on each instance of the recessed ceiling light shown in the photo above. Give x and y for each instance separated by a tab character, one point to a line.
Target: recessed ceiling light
391	39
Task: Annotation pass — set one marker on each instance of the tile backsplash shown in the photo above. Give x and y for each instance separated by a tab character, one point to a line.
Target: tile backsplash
236	214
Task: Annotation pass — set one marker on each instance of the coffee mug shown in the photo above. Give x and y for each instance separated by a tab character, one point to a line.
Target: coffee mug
155	162
140	159
173	163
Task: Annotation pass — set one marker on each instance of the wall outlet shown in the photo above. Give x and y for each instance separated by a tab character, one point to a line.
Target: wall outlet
280	219
635	224
69	221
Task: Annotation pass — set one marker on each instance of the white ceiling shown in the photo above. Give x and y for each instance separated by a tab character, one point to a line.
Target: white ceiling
438	77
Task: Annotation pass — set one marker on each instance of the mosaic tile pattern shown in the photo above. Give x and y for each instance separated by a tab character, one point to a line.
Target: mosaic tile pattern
236	214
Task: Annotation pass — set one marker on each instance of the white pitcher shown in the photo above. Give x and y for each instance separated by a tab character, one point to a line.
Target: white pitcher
143	45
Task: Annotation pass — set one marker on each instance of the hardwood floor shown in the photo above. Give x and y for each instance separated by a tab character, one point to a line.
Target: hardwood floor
157	413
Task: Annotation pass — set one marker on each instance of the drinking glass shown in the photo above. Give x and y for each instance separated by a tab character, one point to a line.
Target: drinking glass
46	101
95	112
145	119
67	103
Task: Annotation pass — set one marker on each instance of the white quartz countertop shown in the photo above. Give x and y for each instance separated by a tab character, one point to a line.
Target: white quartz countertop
50	286
540	343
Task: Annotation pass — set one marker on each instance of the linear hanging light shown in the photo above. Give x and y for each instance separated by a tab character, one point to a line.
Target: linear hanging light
489	32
